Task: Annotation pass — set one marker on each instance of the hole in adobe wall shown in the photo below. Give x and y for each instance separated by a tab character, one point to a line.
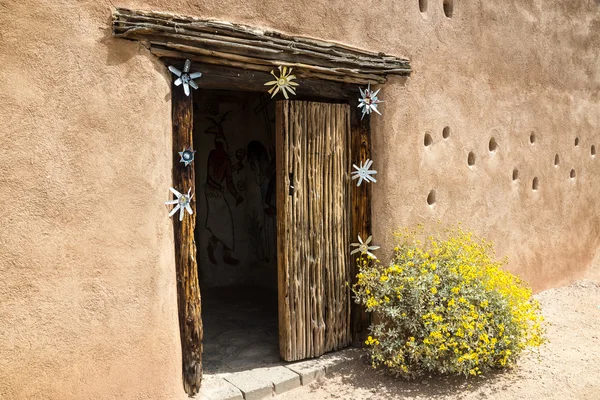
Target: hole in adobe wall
536	184
593	151
515	174
449	8
422	5
428	140
556	160
446	132
471	159
431	197
576	141
572	174
493	146
532	138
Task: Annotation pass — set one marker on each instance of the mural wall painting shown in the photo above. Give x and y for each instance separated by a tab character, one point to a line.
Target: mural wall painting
219	220
236	173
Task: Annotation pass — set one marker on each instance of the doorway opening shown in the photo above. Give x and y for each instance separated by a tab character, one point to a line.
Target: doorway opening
234	138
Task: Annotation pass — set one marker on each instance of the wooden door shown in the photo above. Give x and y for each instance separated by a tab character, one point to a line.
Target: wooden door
313	227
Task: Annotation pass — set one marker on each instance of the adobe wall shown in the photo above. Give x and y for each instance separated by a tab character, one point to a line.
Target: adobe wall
88	299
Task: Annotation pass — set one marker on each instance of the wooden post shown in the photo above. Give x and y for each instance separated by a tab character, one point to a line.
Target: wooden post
361	214
188	289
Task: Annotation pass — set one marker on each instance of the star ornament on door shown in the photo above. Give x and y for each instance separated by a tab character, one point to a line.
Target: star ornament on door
182	203
364	248
187	155
363	173
185	77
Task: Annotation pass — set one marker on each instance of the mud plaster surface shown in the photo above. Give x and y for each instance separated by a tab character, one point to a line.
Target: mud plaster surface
88	300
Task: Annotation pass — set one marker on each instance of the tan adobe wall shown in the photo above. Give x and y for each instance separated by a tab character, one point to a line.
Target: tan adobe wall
88	300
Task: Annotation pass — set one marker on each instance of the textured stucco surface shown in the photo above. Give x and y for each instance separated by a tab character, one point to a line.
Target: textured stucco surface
87	293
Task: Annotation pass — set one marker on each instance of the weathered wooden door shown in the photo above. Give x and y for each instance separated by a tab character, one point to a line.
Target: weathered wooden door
313	227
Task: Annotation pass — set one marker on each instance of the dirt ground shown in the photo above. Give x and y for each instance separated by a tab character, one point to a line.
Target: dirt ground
568	366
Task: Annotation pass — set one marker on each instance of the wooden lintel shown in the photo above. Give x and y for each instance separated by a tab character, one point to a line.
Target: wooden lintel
220	77
226	43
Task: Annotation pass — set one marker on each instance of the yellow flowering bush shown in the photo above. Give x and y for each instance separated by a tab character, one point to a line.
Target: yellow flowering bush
443	305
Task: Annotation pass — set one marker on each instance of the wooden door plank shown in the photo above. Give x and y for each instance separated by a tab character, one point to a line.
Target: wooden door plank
188	290
283	230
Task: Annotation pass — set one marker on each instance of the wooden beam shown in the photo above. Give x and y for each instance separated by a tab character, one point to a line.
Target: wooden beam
361	214
188	290
227	43
218	77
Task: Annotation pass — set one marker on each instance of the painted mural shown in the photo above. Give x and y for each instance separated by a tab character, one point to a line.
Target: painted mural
235	185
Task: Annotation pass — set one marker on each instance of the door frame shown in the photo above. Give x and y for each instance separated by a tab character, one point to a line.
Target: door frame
188	290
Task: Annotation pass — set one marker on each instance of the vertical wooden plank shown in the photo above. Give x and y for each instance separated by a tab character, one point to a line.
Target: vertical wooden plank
293	234
313	261
348	221
188	289
282	172
300	244
361	214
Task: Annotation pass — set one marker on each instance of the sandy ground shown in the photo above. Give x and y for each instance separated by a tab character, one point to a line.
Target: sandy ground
568	366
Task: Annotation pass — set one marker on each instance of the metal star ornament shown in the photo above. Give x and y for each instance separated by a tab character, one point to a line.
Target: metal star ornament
187	155
368	101
363	247
283	82
185	77
182	203
363	173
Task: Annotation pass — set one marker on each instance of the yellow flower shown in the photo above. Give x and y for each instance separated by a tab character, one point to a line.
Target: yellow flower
433	290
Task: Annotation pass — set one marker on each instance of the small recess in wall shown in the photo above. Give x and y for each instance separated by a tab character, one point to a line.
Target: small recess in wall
572	174
515	174
431	197
576	142
556	160
532	138
449	8
428	141
446	132
423	5
493	146
471	159
536	184
593	151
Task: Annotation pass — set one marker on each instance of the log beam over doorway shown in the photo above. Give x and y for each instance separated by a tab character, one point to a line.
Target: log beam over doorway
240	46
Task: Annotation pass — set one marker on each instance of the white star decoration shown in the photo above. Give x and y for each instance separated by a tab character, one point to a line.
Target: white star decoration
187	155
368	101
182	201
364	247
185	77
363	172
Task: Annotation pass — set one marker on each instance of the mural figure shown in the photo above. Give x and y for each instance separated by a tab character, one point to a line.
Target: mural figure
219	220
263	167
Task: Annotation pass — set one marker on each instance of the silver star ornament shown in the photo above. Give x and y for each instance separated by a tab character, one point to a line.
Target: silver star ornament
368	101
185	77
363	173
363	247
187	155
182	203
